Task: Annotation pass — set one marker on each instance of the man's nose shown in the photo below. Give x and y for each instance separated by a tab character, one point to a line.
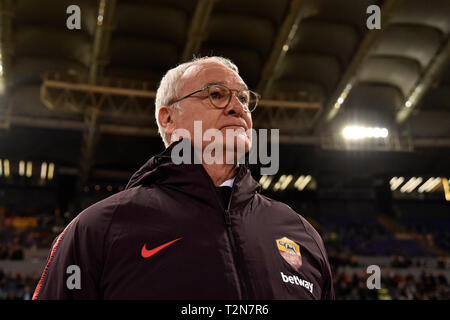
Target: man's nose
235	107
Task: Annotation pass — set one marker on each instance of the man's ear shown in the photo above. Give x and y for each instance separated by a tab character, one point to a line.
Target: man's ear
166	119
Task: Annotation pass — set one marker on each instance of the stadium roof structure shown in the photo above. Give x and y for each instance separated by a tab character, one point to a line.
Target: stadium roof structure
84	99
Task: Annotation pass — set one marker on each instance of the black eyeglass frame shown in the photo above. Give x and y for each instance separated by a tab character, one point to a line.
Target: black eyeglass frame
257	95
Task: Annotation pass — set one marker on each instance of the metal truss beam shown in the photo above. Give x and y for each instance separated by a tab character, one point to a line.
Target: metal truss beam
394	144
348	79
432	73
102	38
6	51
197	28
125	98
6	47
286	33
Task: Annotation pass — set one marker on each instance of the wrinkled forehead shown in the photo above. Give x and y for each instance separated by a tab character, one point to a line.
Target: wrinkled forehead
200	75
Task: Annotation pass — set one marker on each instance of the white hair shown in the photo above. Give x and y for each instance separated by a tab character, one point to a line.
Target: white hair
170	84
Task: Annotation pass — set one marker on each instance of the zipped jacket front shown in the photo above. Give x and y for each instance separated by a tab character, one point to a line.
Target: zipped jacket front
168	236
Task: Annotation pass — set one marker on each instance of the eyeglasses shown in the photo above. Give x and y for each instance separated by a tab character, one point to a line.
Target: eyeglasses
220	97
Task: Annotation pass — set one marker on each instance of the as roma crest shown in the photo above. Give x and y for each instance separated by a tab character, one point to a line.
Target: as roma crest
290	251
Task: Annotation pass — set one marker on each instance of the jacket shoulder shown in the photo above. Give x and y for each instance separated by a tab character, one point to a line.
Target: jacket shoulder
80	244
99	214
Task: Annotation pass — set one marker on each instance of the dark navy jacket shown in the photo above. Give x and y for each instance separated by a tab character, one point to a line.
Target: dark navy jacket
168	236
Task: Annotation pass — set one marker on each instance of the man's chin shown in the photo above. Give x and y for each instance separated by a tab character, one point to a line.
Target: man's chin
240	147
239	142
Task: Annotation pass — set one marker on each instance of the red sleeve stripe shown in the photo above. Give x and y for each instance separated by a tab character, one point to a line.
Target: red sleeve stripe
52	253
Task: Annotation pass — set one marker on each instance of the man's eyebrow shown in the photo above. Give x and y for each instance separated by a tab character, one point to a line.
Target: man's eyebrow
243	86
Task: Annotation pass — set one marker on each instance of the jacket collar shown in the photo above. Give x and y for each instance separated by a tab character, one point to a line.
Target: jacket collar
192	179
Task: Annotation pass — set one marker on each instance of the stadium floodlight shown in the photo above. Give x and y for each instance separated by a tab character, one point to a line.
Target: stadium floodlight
298	181
29	171
101	12
43	170
360	132
276	187
280	181
283	182
343	96
262	179
434	185
407	184
396	182
430	185
266	184
51	170
6	167
286	182
412	183
21	168
302	182
415	184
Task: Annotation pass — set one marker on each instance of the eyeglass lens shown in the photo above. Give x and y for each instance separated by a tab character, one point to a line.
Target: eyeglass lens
220	97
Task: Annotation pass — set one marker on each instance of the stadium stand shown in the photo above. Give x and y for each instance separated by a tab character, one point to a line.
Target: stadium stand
350	238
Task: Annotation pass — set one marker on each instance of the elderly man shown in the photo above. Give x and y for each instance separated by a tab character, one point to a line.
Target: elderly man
191	230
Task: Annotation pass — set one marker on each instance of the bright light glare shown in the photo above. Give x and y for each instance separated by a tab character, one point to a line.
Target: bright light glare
396	182
358	132
262	179
51	170
302	182
286	182
21	167
6	166
265	181
411	185
430	185
43	170
29	171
